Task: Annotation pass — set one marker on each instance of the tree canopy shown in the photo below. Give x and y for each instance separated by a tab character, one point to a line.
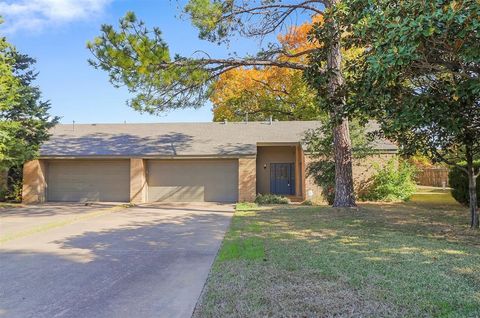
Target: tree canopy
419	75
270	91
258	94
11	149
138	58
24	117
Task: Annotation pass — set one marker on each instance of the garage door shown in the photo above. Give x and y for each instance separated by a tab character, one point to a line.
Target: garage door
192	180
88	180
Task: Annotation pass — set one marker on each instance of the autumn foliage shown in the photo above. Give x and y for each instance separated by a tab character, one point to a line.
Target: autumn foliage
261	92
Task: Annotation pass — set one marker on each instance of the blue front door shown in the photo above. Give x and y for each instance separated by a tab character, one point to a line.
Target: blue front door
282	178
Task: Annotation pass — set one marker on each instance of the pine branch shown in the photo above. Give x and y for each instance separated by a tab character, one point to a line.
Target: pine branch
234	63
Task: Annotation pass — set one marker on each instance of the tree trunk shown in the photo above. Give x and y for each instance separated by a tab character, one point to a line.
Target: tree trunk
344	193
472	191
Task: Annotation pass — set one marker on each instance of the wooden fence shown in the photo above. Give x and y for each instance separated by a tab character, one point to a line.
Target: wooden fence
433	177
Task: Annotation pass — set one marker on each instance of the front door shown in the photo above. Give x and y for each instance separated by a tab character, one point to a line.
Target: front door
282	178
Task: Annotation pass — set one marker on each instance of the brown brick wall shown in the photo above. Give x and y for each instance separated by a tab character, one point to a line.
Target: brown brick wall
34	178
299	172
138	180
247	170
310	186
363	170
34	182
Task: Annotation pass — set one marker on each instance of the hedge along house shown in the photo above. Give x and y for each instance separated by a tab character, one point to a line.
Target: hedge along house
176	162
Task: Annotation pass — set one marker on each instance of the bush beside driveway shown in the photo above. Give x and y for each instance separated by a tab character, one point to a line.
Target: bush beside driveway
416	259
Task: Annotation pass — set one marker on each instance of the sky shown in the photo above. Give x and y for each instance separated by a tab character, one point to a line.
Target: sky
55	33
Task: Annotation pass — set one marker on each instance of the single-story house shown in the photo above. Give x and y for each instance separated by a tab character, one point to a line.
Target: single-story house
218	161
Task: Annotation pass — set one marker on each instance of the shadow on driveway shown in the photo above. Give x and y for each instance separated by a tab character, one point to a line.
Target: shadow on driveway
149	261
53	209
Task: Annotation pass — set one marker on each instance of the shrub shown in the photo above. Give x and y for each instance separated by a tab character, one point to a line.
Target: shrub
323	172
391	183
307	202
271	199
458	181
13	191
3	192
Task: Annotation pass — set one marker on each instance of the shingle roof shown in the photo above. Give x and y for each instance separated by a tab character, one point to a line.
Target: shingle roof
174	139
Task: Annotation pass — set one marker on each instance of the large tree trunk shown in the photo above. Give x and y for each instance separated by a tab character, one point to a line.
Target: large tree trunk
472	191
344	193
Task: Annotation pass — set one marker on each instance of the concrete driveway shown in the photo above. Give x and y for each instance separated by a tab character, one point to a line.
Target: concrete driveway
107	261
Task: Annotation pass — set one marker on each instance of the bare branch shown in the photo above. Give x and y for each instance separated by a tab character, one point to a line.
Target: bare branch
298	54
235	62
270	88
449	162
264	8
271	16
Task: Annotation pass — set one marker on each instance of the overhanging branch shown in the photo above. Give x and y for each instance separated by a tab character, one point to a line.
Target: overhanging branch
235	63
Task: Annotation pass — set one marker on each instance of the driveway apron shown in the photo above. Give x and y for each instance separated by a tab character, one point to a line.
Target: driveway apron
108	261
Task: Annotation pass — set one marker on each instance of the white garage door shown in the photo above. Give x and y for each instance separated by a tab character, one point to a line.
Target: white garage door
88	180
193	180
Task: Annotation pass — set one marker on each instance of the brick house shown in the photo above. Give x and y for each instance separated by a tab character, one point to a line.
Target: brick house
221	162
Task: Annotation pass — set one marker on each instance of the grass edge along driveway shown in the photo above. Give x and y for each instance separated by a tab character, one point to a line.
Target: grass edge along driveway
383	260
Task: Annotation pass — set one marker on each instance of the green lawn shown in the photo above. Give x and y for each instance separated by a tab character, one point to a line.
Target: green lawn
417	259
4	205
433	195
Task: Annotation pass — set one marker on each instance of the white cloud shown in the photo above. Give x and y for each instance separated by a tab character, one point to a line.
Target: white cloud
34	15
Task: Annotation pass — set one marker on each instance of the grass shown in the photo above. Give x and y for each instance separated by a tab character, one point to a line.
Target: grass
415	259
4	205
433	195
246	206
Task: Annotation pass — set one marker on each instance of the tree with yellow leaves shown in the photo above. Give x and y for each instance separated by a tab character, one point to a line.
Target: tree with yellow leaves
271	91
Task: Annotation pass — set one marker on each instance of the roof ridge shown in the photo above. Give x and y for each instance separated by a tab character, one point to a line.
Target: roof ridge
192	123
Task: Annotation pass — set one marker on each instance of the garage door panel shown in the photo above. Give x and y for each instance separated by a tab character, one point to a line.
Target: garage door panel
89	180
178	193
193	180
